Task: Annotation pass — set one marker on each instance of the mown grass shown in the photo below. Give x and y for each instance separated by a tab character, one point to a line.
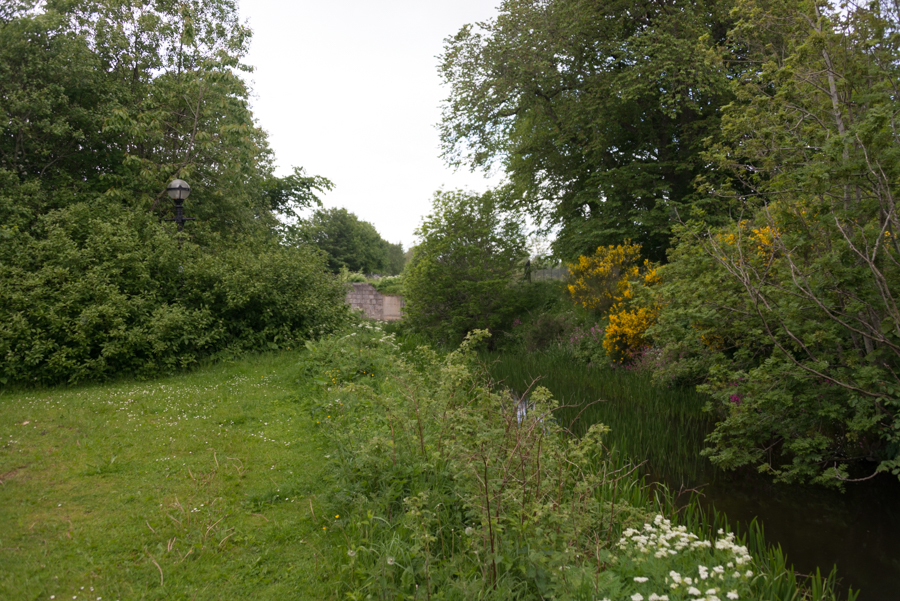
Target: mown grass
196	486
665	427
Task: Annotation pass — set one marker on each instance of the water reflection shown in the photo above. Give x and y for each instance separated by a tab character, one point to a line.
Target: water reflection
859	530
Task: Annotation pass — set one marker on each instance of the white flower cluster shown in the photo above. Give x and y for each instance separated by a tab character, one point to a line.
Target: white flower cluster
662	540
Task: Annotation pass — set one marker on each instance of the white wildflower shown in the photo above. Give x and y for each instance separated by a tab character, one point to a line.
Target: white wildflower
640	579
732	595
694	591
637	597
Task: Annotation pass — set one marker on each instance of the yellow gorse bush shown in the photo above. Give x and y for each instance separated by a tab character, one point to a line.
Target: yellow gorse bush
626	332
605	282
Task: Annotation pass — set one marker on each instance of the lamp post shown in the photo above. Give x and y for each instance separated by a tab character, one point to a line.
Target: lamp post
178	190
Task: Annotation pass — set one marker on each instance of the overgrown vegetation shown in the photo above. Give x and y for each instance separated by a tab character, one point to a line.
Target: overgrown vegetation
104	104
754	145
448	488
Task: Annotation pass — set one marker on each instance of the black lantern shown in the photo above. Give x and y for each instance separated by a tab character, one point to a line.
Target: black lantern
178	190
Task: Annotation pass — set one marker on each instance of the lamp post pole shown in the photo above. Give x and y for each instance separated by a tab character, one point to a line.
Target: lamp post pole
178	190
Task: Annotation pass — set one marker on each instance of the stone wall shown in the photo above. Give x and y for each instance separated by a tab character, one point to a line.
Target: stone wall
373	304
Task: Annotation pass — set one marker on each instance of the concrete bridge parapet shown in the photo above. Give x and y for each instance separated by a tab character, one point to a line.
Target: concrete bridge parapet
375	305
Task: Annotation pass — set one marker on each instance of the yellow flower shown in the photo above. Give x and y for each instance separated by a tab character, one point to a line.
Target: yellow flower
605	279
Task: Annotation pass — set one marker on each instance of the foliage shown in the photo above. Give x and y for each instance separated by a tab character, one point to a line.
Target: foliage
663	427
586	344
389	285
90	297
442	489
604	281
790	312
657	548
105	101
626	333
598	112
461	274
424	470
349	243
108	100
395	259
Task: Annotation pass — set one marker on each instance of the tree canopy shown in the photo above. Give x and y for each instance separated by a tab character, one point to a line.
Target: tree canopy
350	243
103	103
108	100
789	312
597	111
460	275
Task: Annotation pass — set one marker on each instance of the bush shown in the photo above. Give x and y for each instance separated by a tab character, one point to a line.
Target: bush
604	281
461	274
626	334
85	298
613	283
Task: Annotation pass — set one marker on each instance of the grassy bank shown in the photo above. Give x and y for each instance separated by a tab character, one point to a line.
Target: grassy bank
193	486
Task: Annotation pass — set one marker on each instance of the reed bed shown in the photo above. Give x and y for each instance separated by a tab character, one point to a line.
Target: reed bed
664	427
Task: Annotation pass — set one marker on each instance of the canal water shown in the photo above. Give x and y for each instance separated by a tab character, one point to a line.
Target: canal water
858	530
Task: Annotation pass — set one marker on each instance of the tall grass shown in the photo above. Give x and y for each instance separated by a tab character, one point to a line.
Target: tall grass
665	427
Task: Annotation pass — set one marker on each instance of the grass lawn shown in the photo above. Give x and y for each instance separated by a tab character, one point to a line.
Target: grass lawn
195	486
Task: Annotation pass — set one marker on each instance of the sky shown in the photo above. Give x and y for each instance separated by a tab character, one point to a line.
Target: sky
349	89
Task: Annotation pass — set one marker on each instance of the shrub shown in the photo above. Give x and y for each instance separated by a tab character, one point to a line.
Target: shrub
442	488
461	274
604	280
612	282
85	297
626	333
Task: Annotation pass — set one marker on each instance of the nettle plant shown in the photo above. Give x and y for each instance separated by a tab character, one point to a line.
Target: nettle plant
446	491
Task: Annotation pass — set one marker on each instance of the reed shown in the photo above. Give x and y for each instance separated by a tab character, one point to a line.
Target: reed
665	427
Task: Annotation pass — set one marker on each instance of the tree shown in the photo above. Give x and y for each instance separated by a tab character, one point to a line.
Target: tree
597	111
349	243
793	308
108	100
104	102
395	258
461	273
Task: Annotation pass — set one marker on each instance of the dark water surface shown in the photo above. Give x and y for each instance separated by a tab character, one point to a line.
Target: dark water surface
859	530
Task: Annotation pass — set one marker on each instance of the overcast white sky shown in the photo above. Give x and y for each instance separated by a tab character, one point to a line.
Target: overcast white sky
349	89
